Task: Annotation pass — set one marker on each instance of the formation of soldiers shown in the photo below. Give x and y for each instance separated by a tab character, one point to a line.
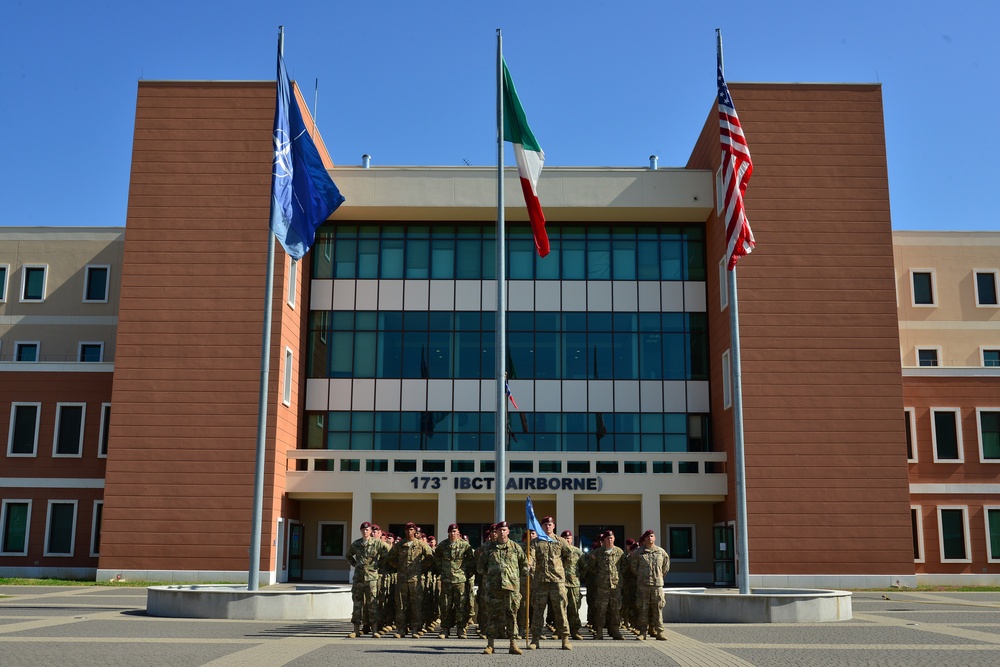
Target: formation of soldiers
412	585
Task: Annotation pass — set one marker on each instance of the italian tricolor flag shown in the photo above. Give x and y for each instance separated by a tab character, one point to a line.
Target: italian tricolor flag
529	156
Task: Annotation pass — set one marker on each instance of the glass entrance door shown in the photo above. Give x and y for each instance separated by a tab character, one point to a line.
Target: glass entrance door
295	550
725	556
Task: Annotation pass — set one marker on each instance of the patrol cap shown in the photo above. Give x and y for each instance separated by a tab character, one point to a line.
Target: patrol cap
548	519
452	527
566	534
365	525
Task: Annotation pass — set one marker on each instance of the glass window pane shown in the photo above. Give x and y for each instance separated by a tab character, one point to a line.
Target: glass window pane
15	527
989	425
470	256
70	426
598	259
34	284
418	263
923	291
624	259
368	258
522	259
442	258
986	288
547	268
392	258
574	262
25	417
953	534
946	435
97	284
670	260
61	528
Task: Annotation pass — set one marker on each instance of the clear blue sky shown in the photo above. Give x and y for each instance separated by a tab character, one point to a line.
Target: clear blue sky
412	83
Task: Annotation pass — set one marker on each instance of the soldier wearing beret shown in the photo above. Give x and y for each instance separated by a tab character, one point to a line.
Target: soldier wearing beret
453	561
501	565
573	566
364	556
548	581
410	558
650	563
606	564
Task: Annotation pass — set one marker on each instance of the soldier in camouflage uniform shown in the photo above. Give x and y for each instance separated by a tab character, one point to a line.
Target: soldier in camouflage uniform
453	563
386	588
501	564
573	566
409	558
548	583
650	564
606	565
481	619
364	556
628	586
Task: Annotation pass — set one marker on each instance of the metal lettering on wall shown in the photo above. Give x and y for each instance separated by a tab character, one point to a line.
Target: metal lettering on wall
513	483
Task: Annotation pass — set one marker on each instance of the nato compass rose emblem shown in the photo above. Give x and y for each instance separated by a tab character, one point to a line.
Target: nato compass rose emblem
282	167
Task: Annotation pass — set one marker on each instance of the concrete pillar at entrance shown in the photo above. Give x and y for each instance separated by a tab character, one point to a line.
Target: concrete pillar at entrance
565	517
651	515
361	511
447	514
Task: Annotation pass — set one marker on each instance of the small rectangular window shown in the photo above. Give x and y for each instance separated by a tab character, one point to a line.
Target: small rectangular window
986	288
332	540
60	528
909	421
350	465
33	283
4	270
680	541
635	467
953	524
95	529
293	281
432	466
991	358
727	381
923	288
992	517
16	517
607	467
487	466
105	426
947	434
927	357
96	288
723	284
286	396
989	434
23	437
663	467
376	465
550	467
917	527
70	418
522	466
91	352
578	467
463	466
26	351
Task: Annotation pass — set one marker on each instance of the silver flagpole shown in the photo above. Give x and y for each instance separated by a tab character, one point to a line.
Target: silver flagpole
501	319
742	542
256	516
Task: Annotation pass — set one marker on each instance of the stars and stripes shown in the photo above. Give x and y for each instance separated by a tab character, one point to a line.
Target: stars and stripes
736	170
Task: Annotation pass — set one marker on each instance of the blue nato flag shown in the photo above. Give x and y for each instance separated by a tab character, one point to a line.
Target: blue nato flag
302	193
533	524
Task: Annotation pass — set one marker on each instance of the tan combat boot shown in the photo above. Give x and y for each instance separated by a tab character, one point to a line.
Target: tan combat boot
565	643
514	649
357	631
489	647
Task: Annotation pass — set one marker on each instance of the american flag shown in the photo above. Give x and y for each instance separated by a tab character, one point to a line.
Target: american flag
736	170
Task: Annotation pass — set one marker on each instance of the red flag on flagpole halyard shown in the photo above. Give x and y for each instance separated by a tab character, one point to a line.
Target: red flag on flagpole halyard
736	170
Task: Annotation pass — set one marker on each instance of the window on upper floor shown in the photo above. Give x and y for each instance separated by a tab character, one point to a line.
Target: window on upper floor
986	288
102	452
68	440
33	282
91	352
992	516
989	434
922	282
96	288
23	437
24	351
293	279
4	270
991	358
946	425
927	356
909	419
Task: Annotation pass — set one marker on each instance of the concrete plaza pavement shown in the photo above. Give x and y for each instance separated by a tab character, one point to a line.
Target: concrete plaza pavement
108	626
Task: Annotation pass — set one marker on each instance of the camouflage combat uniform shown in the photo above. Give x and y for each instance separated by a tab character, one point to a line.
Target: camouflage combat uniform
409	560
575	567
501	565
548	585
453	562
364	556
649	564
606	567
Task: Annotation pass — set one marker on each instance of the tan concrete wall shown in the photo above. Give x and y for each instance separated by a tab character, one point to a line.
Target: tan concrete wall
821	371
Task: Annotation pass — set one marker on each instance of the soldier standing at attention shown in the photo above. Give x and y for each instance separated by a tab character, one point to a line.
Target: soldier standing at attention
606	565
482	607
548	583
649	563
409	557
453	562
364	555
572	566
501	564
